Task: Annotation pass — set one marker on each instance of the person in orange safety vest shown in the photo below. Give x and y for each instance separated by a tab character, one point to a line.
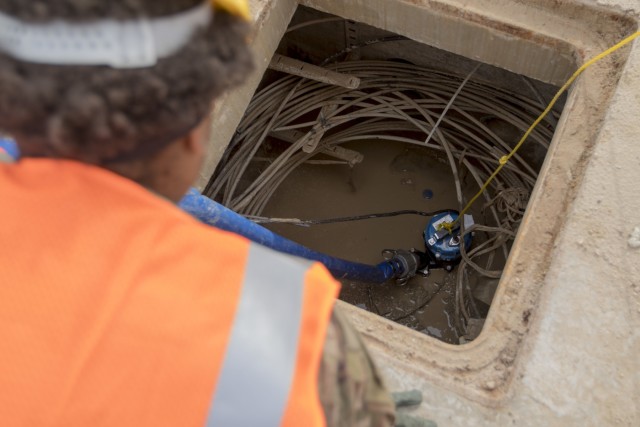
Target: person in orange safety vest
116	307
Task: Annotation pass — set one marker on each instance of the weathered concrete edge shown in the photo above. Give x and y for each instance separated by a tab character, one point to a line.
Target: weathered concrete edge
272	18
487	363
446	401
569	371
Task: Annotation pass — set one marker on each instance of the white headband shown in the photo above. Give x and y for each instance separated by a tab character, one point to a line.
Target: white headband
135	43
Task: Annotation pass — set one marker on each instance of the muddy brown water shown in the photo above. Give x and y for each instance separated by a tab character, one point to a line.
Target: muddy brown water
393	176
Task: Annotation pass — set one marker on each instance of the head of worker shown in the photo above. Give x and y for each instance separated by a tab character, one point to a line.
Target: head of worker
125	85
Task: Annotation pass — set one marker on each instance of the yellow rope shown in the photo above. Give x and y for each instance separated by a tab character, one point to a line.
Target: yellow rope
504	159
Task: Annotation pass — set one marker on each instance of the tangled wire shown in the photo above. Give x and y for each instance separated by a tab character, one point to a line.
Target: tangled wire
394	102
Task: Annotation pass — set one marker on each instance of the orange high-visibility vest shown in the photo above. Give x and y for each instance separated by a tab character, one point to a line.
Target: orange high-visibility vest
118	309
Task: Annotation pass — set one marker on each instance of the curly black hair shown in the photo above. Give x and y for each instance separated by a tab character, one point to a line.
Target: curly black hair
98	114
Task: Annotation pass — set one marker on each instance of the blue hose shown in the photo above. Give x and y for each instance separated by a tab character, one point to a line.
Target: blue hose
212	213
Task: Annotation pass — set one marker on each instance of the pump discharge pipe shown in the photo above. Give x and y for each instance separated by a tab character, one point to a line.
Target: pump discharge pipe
402	264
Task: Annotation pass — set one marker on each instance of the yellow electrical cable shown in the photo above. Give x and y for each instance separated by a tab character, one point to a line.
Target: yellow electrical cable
504	159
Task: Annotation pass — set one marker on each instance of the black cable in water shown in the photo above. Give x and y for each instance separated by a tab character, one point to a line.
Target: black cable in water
310	222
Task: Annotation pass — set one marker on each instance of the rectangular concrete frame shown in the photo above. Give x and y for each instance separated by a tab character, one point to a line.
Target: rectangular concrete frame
561	343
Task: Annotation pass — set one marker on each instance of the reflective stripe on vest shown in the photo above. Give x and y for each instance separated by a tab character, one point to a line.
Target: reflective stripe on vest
260	361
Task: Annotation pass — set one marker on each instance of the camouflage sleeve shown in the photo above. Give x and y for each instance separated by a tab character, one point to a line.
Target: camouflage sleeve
352	391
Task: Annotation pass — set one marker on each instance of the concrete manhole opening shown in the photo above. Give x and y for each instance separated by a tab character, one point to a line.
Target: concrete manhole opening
395	126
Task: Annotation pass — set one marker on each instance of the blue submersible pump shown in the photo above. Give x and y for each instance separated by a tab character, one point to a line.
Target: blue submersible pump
443	245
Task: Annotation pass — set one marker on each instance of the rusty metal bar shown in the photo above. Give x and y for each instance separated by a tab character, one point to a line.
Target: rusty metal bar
313	72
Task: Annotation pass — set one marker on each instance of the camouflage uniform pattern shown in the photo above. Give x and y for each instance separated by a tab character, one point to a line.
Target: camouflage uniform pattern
352	391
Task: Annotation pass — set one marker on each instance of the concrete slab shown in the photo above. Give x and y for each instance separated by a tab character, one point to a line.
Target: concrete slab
561	342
